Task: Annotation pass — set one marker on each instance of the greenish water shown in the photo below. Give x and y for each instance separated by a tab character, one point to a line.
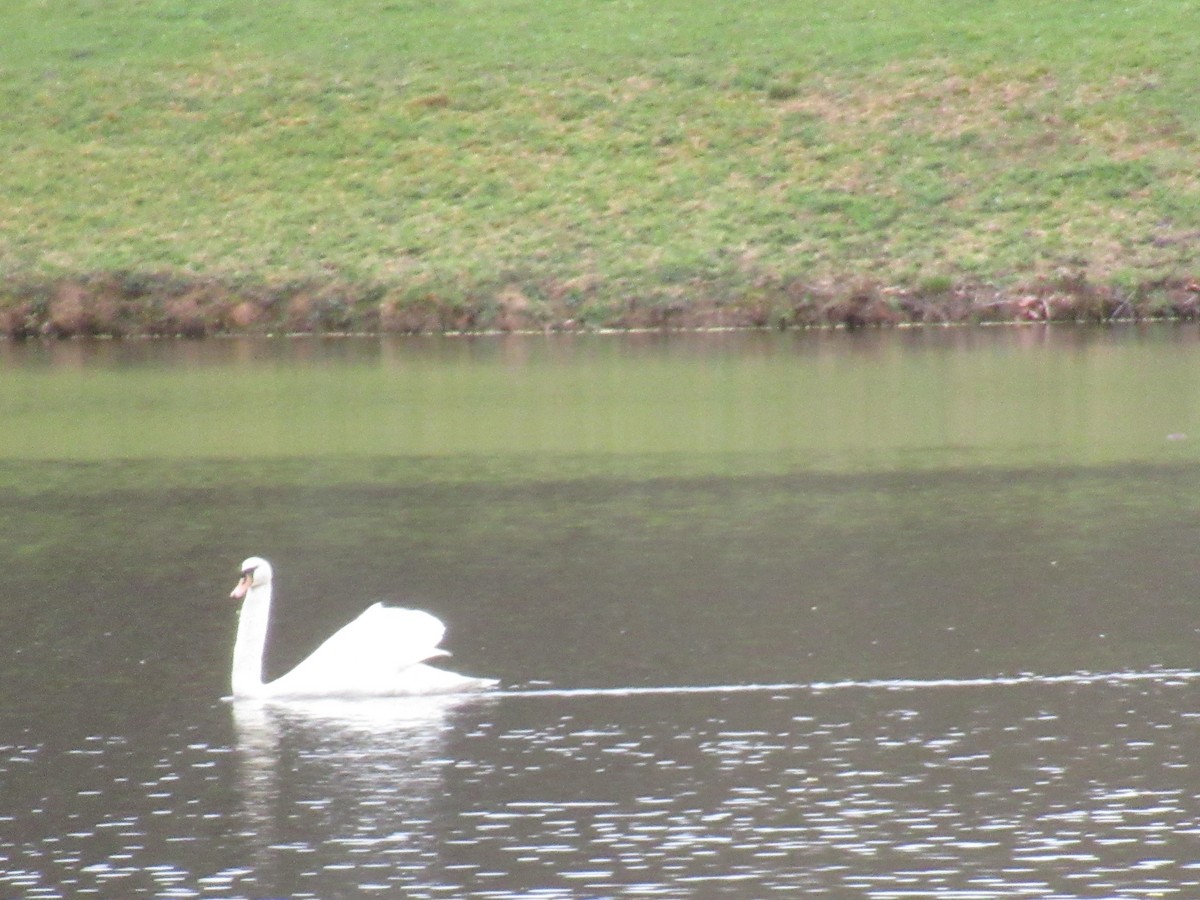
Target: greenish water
489	407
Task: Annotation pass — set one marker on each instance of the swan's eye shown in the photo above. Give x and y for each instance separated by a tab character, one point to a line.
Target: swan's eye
247	573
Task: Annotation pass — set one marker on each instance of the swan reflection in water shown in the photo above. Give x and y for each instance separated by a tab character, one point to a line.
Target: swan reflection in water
325	783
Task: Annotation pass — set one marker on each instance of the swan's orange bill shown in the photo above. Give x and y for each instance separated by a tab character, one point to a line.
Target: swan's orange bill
242	586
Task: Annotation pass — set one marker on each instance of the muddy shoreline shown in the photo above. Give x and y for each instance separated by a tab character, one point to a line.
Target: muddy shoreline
140	305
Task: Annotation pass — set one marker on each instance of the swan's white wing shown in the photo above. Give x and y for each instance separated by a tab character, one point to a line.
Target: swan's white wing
367	653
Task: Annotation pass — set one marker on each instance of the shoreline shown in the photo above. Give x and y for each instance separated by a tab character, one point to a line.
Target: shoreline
136	305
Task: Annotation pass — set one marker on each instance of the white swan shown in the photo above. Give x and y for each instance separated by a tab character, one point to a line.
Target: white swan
382	653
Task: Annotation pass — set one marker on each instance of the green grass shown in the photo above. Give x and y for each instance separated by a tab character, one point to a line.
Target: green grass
567	156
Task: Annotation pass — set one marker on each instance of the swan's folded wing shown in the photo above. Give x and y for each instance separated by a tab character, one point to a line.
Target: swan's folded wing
380	642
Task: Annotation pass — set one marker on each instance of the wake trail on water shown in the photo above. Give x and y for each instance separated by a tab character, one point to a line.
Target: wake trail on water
890	684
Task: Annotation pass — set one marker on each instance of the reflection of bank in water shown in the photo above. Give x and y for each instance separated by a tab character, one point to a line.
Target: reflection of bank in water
341	785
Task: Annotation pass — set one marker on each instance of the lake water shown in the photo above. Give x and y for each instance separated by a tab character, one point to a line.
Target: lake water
878	615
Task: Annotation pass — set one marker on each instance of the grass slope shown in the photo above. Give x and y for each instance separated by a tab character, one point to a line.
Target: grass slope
452	163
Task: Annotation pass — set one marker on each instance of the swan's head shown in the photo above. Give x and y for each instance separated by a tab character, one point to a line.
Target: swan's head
256	572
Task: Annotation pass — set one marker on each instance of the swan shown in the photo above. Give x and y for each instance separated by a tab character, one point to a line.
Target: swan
382	653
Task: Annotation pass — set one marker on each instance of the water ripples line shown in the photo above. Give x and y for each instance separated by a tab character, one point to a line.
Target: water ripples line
1178	676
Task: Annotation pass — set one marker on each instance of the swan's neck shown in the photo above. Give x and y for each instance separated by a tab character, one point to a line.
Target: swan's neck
248	649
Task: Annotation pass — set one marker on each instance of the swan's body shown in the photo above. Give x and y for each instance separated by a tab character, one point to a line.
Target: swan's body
382	653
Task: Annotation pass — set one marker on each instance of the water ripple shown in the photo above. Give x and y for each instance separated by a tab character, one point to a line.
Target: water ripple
1167	676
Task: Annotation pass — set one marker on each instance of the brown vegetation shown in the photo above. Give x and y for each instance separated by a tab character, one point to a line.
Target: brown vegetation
162	306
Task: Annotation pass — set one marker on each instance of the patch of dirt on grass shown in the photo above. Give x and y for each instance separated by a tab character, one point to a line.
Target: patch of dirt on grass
937	99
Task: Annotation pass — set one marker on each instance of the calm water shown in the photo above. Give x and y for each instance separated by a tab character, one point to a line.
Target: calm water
884	616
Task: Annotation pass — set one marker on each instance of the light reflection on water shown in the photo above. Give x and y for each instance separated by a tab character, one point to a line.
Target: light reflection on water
1077	787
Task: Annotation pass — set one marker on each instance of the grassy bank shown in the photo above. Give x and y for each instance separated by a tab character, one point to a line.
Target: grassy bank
416	166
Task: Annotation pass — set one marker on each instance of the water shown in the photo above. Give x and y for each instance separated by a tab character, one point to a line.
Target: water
879	616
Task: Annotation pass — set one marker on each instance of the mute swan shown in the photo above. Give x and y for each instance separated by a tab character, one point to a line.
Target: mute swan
382	653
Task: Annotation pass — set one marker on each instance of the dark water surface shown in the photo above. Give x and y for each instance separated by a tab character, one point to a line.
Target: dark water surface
878	616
